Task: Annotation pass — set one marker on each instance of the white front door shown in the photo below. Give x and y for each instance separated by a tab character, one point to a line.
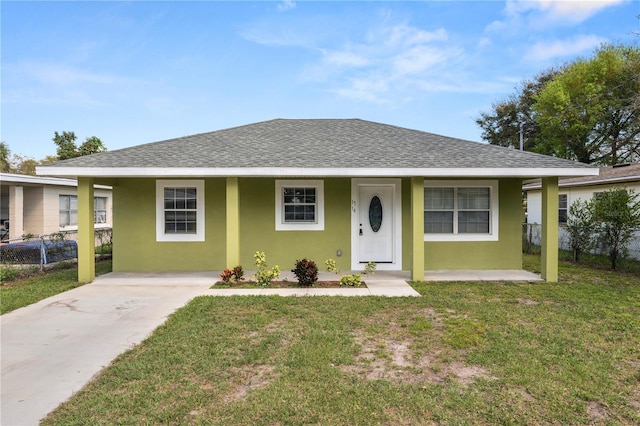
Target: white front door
376	223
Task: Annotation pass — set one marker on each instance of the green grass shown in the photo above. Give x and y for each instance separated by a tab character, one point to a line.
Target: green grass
25	291
464	353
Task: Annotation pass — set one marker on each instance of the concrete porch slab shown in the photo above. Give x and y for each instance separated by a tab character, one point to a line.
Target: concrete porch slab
481	275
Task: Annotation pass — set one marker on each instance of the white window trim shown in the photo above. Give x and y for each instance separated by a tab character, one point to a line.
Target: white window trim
160	234
494	223
316	226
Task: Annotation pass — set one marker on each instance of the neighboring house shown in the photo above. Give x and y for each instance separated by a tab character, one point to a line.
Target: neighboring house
582	188
45	205
347	189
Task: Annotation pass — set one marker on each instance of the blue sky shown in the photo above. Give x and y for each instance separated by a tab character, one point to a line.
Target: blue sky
137	72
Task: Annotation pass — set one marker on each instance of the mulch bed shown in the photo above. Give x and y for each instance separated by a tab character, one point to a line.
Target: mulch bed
283	284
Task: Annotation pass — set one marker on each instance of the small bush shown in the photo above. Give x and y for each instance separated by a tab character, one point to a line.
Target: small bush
370	268
264	275
350	280
226	275
7	273
236	274
306	271
330	265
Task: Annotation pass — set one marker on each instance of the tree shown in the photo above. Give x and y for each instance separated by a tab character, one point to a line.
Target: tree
67	148
580	223
588	110
502	125
23	165
5	152
588	114
617	215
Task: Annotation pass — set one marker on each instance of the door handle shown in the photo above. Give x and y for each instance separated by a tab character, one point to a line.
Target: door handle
360	229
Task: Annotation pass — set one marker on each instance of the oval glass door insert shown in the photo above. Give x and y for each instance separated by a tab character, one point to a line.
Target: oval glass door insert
375	213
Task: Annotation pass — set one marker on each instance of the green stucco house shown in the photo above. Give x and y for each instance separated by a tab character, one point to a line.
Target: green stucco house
347	189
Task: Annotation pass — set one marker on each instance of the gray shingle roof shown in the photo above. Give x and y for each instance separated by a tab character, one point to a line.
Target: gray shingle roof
315	144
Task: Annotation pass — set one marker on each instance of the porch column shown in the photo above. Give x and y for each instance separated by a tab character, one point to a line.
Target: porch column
86	234
549	261
233	222
16	212
417	228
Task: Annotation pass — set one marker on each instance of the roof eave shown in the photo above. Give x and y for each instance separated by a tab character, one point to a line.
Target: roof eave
114	172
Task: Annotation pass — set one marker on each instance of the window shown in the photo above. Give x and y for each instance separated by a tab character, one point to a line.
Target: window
69	210
461	211
562	208
180	210
299	205
100	210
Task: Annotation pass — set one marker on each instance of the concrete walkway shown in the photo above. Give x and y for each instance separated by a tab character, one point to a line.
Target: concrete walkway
52	348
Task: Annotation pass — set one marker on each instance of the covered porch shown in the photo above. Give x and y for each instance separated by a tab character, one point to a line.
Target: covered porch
549	271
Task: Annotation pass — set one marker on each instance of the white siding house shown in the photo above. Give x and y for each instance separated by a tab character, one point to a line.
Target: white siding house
42	205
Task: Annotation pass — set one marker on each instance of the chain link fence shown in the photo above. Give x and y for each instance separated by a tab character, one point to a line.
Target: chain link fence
531	241
49	249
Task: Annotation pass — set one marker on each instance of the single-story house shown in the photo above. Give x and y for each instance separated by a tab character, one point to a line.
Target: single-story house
348	189
46	205
582	188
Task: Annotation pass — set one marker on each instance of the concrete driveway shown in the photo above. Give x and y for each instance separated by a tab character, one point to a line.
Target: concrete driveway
52	348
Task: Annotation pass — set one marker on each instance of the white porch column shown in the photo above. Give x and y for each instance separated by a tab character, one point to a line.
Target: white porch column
86	234
16	212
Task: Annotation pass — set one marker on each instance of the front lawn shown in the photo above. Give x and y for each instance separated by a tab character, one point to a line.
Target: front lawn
464	353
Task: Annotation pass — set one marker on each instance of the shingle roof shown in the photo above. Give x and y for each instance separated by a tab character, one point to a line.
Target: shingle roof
315	144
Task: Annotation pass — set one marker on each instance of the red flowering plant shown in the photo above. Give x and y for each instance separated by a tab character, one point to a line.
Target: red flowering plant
236	274
306	271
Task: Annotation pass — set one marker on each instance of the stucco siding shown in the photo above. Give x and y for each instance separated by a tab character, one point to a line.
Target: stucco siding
34	210
506	253
134	231
257	227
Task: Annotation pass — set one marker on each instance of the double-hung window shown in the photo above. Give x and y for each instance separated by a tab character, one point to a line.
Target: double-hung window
68	210
179	210
563	209
299	205
100	210
461	210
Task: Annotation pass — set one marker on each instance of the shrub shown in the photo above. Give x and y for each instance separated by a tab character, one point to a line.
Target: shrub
264	275
370	268
306	271
330	265
226	275
617	214
238	273
7	273
350	280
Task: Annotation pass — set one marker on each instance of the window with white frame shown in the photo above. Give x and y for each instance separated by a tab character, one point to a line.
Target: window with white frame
299	205
68	211
179	210
563	208
461	210
100	210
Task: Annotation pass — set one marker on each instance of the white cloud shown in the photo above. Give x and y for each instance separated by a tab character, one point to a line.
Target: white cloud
529	14
344	58
62	75
543	51
286	5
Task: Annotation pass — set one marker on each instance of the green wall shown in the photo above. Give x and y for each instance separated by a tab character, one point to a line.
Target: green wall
135	247
506	253
283	248
134	231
